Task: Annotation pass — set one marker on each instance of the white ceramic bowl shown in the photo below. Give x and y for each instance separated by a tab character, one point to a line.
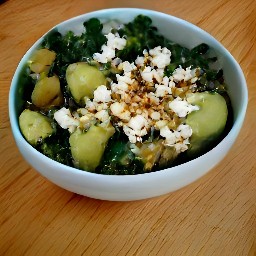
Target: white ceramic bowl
134	187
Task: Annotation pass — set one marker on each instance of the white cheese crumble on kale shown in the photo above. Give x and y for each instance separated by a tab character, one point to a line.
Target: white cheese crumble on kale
108	50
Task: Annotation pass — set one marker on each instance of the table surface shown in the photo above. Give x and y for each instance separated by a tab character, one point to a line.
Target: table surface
213	216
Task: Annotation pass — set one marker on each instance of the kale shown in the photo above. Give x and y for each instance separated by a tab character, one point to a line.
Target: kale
118	159
140	35
182	56
198	57
57	147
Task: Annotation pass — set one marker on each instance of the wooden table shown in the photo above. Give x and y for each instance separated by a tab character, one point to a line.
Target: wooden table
213	216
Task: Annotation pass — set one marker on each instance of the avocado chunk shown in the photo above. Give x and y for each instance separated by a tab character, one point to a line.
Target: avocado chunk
83	79
208	122
34	126
88	147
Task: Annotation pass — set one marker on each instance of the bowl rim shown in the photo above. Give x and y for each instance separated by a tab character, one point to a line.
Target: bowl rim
120	178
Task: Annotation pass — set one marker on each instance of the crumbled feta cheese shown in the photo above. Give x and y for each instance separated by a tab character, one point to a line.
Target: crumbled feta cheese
130	134
168	135
89	104
165	81
161	56
122	86
107	54
145	114
117	108
145	52
123	81
138	122
119	88
65	119
185	131
108	50
126	78
179	139
136	128
181	107
102	115
162	90
126	98
120	110
171	83
102	94
126	66
147	74
101	106
125	115
180	74
158	74
115	42
139	61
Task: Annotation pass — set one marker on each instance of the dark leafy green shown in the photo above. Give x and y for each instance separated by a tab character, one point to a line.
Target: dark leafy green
57	148
119	159
140	35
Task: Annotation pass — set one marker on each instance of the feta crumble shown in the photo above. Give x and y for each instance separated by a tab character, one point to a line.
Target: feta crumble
136	128
181	107
65	119
102	94
108	50
161	57
187	74
178	138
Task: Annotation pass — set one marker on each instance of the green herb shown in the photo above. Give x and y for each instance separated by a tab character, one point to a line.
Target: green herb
140	35
119	159
57	147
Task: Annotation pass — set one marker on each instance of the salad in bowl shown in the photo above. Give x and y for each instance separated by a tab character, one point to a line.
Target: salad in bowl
111	101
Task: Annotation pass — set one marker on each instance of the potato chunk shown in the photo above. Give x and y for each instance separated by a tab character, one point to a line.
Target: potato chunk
34	126
41	60
83	79
88	147
47	93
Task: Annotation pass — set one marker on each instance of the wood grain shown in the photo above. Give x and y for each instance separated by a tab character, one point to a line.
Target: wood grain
213	216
